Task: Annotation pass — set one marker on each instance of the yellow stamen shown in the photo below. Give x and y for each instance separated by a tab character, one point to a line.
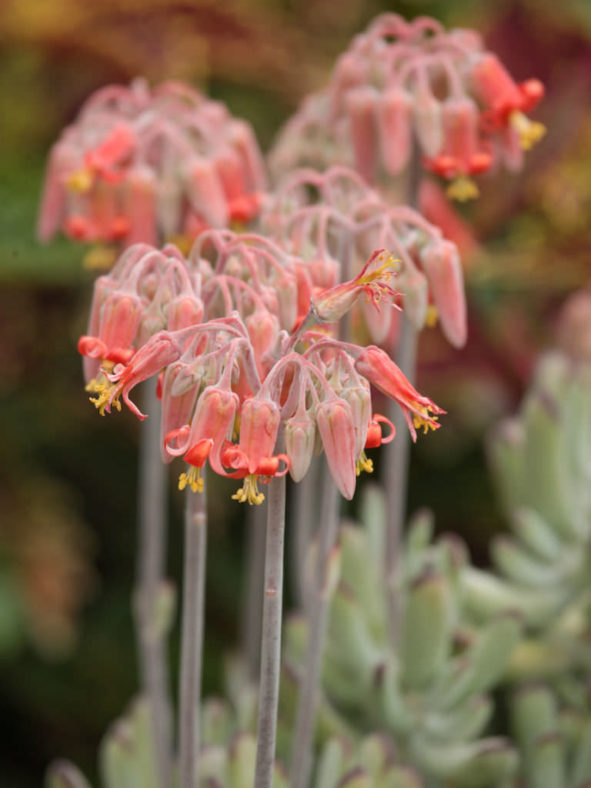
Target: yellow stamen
432	316
427	423
79	181
530	131
386	270
462	188
103	388
100	257
192	478
363	464
249	491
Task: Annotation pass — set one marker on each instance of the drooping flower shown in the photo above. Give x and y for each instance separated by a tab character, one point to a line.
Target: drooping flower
402	80
150	165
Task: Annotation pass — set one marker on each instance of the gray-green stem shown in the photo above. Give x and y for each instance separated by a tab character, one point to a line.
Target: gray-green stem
397	453
302	525
152	499
192	626
301	756
271	635
253	597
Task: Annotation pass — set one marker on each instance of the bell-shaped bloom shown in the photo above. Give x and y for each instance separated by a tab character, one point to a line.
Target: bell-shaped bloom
213	421
300	439
462	154
120	318
337	431
259	423
441	264
377	366
361	109
179	389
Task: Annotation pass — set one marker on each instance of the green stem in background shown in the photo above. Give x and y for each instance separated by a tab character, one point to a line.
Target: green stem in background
151	633
192	626
253	596
397	453
301	756
271	635
303	522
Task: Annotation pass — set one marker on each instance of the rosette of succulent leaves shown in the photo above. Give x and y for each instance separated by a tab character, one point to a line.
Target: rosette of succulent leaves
541	460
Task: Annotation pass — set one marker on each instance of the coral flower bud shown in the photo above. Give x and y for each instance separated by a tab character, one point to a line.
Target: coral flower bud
337	431
300	438
361	108
259	422
139	205
186	310
443	269
205	192
359	399
394	129
262	328
120	318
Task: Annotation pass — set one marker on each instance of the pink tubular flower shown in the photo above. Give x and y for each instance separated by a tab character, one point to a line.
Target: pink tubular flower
443	269
337	430
330	305
213	420
377	366
160	351
462	154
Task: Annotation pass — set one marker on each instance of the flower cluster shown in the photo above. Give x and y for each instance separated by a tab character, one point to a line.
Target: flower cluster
404	79
333	221
246	381
141	165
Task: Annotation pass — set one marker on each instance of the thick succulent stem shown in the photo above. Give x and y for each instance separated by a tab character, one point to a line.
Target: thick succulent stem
253	596
301	756
192	636
151	633
271	635
397	453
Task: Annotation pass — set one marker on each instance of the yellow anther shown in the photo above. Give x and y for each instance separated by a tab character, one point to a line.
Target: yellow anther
192	479
530	131
363	464
105	396
249	491
100	258
79	181
432	316
386	270
462	188
424	421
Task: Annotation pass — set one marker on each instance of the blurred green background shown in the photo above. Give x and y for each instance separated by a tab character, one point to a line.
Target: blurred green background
67	489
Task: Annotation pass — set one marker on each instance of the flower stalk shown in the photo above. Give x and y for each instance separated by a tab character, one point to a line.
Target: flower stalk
271	635
192	627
